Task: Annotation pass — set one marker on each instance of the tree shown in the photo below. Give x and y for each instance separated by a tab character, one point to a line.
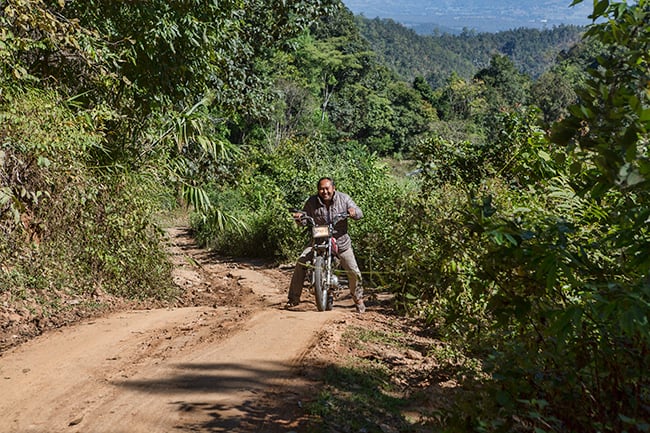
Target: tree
570	262
328	60
461	99
553	92
505	86
421	85
40	47
175	50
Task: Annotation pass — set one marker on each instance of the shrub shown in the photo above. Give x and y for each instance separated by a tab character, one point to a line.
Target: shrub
68	225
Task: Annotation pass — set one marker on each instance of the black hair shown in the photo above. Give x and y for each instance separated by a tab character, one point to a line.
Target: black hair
324	178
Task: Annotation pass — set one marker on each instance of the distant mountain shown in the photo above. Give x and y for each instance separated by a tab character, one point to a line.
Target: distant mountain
437	57
454	16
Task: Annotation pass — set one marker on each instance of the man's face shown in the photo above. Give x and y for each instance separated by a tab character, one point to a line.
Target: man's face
325	190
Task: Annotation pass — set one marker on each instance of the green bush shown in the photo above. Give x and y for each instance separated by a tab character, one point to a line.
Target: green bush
66	224
245	226
254	218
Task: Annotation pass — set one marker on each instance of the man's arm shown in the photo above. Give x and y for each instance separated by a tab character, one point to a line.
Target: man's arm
354	210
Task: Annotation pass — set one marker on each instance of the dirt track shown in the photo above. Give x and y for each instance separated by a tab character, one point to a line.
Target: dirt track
210	368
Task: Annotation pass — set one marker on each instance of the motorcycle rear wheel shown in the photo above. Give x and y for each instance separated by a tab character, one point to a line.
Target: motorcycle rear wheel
320	286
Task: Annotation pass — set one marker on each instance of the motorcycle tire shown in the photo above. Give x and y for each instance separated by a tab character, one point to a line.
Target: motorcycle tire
320	288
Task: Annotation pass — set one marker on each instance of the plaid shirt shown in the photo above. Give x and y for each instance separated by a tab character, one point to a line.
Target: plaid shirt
323	214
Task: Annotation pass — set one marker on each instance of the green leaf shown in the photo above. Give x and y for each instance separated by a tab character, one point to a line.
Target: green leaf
5	195
503	398
644	115
544	155
575	168
566	321
634	178
626	419
44	162
513	241
586	112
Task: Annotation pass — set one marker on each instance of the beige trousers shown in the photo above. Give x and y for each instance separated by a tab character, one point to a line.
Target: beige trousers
348	262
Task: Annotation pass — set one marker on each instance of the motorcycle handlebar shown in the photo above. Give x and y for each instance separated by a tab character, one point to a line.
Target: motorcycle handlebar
306	218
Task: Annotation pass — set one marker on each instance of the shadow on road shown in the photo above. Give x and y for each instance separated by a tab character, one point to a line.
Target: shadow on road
228	397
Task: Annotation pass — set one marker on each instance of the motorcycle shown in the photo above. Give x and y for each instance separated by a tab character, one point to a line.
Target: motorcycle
321	275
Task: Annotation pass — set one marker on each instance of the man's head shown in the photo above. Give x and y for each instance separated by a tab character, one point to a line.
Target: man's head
326	189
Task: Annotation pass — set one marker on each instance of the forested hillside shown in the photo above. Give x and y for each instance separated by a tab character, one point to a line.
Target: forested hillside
436	57
520	235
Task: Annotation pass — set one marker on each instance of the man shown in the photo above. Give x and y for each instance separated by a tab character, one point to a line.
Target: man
323	207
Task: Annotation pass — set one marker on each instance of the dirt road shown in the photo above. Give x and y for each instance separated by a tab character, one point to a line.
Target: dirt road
208	368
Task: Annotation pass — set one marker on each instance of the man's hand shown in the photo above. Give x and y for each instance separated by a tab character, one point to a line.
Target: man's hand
352	212
296	217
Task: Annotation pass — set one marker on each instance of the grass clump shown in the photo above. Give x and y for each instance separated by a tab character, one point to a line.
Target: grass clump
358	396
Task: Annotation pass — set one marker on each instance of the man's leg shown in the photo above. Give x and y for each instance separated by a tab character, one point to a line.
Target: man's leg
349	263
298	278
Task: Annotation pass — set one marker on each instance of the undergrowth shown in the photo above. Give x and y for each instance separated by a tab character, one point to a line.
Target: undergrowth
67	224
387	378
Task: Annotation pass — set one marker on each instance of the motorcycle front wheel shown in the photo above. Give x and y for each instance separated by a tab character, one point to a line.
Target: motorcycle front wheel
320	287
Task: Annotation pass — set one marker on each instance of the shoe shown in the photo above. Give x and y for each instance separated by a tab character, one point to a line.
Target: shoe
290	304
360	306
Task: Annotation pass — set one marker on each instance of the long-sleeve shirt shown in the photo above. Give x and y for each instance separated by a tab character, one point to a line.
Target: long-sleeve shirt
323	214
